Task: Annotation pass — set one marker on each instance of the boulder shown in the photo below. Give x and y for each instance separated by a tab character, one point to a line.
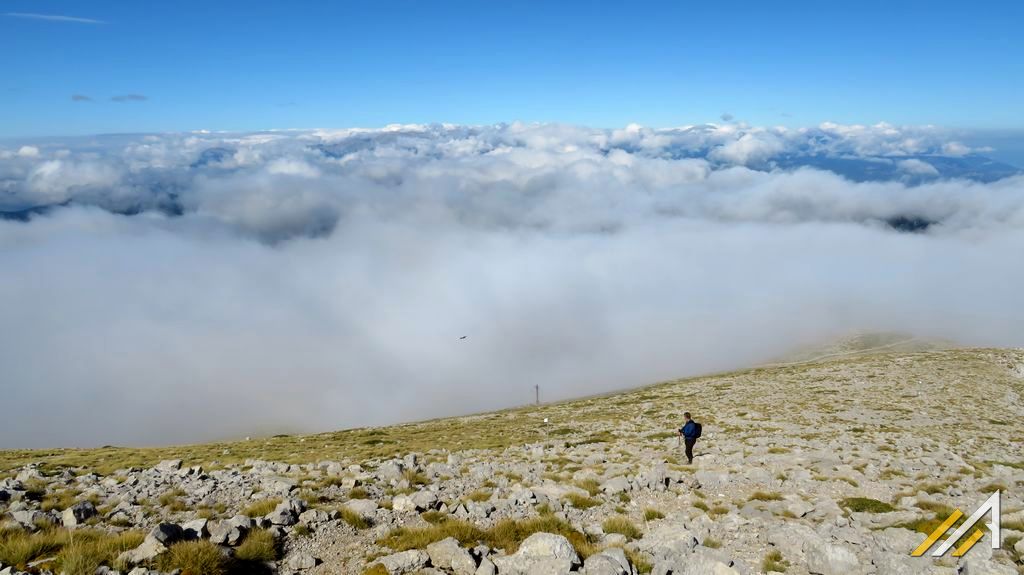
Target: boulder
404	562
615	485
424	500
155	543
608	562
195	529
366	508
539	554
486	567
78	514
230	531
286	513
168	465
830	559
449	555
301	561
667	540
403	504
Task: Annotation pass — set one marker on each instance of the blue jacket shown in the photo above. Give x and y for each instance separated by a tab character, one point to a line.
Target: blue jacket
690	429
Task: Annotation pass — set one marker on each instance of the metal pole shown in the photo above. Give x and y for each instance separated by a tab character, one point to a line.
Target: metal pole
536	390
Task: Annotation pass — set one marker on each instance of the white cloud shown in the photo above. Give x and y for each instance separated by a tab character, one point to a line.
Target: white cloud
749	148
290	167
919	167
317	280
53	17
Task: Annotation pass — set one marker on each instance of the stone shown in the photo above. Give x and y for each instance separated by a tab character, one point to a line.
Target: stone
615	485
404	562
301	561
608	562
314	516
156	543
230	531
366	508
78	514
195	529
279	485
29	519
424	500
390	470
286	513
539	554
486	567
667	540
449	555
403	504
168	465
166	533
830	559
790	538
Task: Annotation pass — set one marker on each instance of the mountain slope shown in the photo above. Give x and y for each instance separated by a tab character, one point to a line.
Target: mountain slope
827	466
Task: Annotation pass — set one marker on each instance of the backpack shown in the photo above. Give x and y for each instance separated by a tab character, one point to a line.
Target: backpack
696	429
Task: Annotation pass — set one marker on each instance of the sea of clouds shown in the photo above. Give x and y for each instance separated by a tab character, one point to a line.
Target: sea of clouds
182	287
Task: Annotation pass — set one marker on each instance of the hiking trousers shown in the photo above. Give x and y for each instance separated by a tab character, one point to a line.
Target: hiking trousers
689	441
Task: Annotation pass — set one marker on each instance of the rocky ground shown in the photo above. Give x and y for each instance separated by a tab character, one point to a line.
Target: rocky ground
823	466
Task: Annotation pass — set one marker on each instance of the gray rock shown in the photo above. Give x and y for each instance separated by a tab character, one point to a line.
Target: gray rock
195	529
314	516
486	567
168	465
540	554
78	514
231	531
156	543
608	562
830	559
667	540
366	508
166	533
301	561
403	504
286	513
279	485
29	518
404	562
424	500
615	485
448	554
390	470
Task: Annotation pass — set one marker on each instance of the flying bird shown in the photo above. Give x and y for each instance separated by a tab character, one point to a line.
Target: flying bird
463	337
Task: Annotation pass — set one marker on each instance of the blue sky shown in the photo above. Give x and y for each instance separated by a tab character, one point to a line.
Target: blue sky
257	65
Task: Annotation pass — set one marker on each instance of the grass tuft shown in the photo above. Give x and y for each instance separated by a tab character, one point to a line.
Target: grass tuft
582	501
650	514
259	545
261	507
774	561
866	505
622	525
194	558
766	496
354	519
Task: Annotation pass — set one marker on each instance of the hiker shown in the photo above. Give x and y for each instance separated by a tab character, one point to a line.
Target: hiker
690	431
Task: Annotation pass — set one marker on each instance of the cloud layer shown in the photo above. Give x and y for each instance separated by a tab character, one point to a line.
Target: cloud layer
183	287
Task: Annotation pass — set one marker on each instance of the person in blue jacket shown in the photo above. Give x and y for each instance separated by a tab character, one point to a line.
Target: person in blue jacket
690	431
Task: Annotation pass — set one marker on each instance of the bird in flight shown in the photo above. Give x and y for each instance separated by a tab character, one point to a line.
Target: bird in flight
463	337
